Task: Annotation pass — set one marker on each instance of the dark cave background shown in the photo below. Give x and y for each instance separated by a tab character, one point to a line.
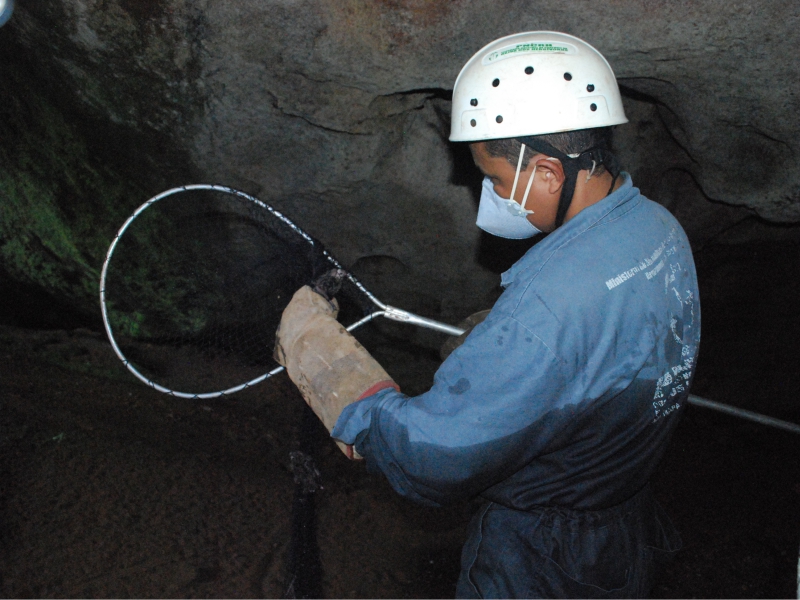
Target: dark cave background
320	108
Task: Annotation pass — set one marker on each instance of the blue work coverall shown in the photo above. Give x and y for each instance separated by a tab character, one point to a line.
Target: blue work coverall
557	409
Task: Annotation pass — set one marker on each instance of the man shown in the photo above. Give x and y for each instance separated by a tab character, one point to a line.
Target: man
556	408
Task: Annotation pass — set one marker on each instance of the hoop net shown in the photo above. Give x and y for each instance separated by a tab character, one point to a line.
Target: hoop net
194	285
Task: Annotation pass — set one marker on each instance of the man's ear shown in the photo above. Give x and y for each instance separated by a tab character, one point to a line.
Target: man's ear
553	173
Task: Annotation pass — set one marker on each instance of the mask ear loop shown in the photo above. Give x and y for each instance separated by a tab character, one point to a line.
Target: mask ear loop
589	176
516	175
528	189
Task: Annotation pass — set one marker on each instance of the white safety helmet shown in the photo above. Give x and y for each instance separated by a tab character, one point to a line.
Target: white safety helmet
531	84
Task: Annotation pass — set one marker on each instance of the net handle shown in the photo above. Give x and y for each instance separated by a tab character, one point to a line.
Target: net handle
389	312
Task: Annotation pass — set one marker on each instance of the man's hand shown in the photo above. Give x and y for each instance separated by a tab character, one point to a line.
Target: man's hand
327	364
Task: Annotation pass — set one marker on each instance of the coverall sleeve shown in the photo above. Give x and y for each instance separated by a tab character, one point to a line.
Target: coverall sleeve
479	423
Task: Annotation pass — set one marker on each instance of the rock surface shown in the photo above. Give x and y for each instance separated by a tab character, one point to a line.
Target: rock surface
336	112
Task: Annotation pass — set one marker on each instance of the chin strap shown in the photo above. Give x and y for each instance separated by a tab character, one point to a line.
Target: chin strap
573	164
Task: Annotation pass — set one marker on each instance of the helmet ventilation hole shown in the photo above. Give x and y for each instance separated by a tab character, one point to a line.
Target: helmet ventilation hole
495	83
593	107
528	70
568	76
473	102
590	88
473	122
499	118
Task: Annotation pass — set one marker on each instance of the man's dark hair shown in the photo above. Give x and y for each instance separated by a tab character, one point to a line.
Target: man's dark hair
569	142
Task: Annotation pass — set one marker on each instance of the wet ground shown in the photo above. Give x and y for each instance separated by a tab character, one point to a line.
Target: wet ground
110	489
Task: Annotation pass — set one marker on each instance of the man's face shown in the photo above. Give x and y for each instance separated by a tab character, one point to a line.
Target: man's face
501	173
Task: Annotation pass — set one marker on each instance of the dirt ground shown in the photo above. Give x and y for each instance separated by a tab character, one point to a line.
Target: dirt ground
110	489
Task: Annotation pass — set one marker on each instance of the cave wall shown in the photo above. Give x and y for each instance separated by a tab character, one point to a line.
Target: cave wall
336	112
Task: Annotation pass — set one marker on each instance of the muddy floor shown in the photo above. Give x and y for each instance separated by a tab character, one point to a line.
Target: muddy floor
110	489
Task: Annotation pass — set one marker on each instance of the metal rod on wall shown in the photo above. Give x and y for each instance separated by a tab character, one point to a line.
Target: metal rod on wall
744	414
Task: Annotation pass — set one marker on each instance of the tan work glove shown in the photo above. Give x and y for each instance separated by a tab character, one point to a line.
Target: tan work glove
327	364
468	325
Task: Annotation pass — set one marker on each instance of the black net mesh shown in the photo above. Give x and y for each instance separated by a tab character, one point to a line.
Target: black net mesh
196	285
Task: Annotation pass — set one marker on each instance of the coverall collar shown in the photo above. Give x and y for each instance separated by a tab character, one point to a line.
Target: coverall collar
580	222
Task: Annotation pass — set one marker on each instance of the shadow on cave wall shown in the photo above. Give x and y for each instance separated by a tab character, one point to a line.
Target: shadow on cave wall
68	179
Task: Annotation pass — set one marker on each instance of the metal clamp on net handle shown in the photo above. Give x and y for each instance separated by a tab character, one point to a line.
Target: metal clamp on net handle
403	316
329	284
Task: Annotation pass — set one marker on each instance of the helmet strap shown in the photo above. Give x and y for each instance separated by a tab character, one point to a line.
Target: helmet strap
571	170
573	164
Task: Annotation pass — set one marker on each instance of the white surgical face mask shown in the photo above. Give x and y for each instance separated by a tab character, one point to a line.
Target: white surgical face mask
504	217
